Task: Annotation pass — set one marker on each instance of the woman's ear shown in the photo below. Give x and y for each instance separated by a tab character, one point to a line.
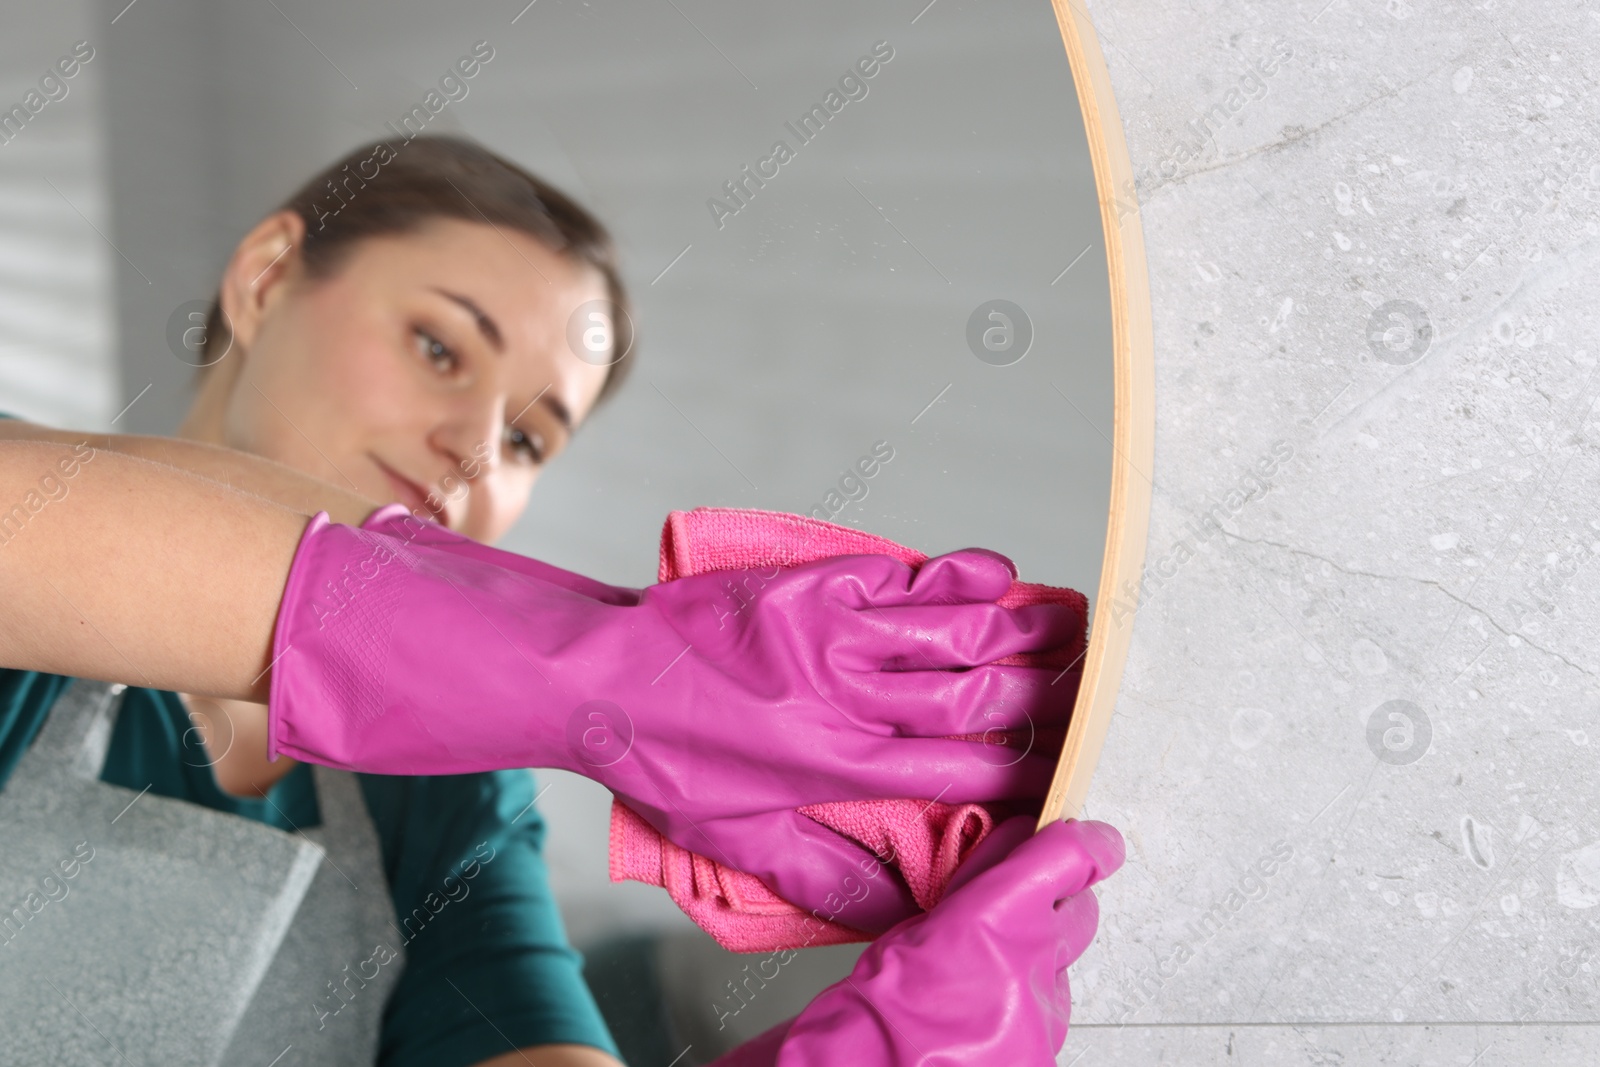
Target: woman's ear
266	261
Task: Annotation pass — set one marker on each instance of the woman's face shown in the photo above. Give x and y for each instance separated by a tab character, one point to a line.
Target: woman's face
432	369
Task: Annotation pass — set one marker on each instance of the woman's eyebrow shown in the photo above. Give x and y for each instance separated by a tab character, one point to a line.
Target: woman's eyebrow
554	404
559	410
486	325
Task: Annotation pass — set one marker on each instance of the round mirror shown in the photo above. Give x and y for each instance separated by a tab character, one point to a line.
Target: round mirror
869	279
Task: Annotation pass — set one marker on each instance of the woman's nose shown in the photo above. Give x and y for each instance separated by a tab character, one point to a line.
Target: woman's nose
471	448
475	437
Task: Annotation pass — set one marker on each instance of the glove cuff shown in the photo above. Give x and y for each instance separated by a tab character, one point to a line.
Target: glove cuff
338	606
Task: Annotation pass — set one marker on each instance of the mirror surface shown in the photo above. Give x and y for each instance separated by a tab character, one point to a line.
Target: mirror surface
835	309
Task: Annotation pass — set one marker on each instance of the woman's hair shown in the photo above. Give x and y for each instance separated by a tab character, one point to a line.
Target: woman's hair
385	188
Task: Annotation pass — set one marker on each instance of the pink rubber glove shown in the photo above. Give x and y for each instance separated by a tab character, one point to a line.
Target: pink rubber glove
429	653
980	979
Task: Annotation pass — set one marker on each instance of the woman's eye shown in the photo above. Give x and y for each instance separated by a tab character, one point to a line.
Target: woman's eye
436	352
531	445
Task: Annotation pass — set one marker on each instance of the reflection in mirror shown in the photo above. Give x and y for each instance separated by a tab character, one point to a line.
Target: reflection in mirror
870	287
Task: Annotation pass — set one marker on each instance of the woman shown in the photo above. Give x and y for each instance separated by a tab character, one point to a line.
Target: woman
422	343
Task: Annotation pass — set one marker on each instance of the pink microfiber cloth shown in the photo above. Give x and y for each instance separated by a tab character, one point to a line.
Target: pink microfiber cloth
927	841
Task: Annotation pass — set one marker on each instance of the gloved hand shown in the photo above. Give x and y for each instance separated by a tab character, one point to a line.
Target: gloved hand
404	648
980	979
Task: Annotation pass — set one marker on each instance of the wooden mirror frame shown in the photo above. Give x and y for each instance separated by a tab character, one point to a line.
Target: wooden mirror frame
1133	418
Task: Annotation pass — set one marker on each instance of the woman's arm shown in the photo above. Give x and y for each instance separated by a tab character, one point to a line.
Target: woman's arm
122	569
240	470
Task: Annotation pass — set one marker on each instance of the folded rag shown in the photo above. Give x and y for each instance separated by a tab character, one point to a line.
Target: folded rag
925	841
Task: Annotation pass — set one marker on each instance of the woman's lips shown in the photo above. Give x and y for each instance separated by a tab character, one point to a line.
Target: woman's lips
406	491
